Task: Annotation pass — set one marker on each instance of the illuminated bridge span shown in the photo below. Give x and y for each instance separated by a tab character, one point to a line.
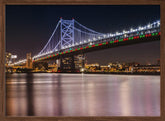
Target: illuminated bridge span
71	37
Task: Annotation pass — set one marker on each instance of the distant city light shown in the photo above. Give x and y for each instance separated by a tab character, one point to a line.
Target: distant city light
13	56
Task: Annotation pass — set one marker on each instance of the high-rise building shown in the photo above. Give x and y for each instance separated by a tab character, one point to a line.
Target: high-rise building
79	61
29	60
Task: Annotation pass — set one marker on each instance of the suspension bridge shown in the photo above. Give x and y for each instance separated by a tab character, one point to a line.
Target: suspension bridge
70	38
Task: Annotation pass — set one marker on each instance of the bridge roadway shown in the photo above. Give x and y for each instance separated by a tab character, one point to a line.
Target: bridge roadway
104	43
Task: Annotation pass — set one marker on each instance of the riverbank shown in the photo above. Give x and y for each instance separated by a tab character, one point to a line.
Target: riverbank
126	73
121	73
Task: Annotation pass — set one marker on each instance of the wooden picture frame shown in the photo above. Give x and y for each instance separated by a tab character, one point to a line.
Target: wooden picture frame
3	3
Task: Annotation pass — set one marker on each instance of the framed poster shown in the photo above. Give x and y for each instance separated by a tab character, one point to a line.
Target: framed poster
87	61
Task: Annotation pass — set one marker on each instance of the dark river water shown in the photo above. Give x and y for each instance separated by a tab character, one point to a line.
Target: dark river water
52	94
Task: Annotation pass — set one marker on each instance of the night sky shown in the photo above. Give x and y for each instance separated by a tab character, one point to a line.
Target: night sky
28	29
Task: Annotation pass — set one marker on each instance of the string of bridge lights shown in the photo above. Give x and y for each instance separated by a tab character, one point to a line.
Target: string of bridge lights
100	36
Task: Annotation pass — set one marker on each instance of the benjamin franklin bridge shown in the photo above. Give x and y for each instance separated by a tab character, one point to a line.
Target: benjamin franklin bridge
71	38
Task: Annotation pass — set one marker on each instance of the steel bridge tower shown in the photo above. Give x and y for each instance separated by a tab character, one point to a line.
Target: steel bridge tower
67	32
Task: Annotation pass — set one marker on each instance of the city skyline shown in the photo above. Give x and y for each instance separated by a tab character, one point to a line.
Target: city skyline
32	29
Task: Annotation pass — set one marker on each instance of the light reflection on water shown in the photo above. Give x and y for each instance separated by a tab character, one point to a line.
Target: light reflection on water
50	94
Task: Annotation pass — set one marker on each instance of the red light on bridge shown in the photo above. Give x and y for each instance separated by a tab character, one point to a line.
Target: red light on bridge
136	37
147	35
93	45
100	44
81	48
87	46
125	39
62	52
159	33
75	49
66	51
116	41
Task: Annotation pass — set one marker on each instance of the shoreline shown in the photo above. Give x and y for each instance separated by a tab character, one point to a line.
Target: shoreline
124	73
115	73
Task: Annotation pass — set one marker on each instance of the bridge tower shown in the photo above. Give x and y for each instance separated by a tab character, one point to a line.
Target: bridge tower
67	38
67	32
29	61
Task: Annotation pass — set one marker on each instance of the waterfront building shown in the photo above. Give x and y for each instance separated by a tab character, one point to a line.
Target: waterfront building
146	68
104	68
79	61
52	67
29	61
92	67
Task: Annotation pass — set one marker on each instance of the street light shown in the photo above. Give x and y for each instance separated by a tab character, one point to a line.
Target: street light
82	70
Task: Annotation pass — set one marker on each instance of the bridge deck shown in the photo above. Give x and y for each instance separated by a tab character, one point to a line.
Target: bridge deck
106	43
